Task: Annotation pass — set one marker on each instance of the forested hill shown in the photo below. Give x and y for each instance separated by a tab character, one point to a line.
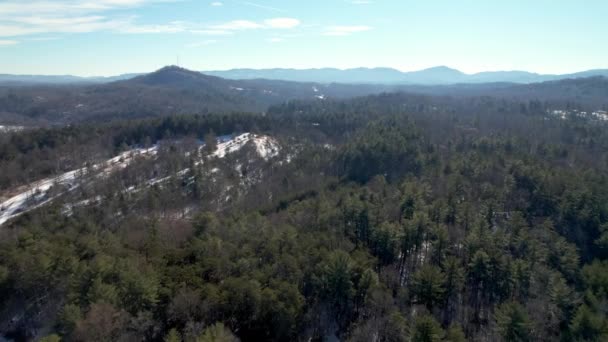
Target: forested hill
168	91
590	91
392	217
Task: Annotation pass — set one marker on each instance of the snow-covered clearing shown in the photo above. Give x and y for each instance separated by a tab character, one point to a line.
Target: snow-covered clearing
10	128
37	194
265	146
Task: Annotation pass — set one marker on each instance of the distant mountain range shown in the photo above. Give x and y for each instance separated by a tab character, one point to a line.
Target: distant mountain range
6	79
174	90
434	76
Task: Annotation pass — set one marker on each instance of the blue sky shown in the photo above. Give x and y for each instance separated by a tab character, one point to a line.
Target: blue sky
109	37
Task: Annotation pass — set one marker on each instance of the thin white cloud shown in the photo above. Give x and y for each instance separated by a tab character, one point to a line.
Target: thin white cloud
345	30
40	17
175	27
63	26
46	21
237	25
240	25
282	23
66	7
20	18
217	4
221	29
211	32
261	6
42	39
361	2
18	30
8	42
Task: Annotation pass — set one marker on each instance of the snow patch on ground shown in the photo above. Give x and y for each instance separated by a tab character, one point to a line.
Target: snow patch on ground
32	198
36	194
68	209
10	128
231	146
265	146
600	115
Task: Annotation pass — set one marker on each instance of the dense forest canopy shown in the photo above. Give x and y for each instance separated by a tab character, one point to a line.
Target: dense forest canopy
392	217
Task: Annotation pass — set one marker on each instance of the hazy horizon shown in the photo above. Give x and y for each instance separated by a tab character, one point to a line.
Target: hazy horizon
113	37
296	69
